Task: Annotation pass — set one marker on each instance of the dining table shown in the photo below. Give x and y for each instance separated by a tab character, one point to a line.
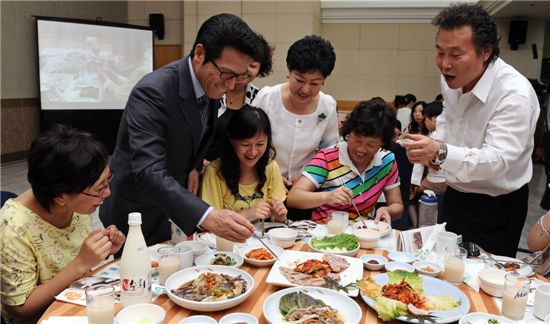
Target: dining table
479	301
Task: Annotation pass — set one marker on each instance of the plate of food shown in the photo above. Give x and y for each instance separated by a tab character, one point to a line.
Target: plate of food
413	298
229	259
297	268
341	244
314	304
511	265
382	227
484	318
209	288
258	255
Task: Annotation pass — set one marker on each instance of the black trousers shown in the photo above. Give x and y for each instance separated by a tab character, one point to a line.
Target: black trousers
494	223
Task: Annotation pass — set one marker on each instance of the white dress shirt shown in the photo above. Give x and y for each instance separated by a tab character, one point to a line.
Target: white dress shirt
298	137
489	132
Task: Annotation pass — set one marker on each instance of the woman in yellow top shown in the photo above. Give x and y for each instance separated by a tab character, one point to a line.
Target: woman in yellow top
246	177
46	233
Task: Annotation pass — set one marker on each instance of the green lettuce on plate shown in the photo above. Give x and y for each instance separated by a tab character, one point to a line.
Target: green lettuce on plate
348	242
389	309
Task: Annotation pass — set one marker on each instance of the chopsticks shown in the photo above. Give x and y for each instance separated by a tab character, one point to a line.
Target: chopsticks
226	206
354	205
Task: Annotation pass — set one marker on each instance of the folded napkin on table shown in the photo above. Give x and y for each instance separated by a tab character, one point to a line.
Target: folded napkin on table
471	272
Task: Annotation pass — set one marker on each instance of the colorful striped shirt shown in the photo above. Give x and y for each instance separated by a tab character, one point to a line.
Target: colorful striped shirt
332	167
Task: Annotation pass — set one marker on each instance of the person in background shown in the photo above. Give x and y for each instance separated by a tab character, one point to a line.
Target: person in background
165	132
417	126
403	106
306	119
485	133
233	100
46	232
359	169
246	177
539	235
434	178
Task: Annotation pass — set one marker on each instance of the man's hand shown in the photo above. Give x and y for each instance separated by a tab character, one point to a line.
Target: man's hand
421	149
382	214
116	237
193	181
228	225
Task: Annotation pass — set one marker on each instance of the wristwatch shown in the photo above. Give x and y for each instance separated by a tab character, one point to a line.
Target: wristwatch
441	154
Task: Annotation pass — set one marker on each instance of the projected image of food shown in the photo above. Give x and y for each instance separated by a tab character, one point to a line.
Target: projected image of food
90	66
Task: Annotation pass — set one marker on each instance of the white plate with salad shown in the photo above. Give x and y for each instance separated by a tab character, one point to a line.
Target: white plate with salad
325	304
442	302
484	318
291	259
341	244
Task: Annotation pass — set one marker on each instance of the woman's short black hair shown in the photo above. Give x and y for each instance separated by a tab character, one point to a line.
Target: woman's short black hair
245	123
310	54
373	118
64	161
266	63
433	109
484	28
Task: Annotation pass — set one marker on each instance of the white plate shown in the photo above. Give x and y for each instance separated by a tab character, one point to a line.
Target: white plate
348	307
182	276
524	269
243	250
483	318
405	257
290	259
198	319
239	318
206	259
345	253
383	228
432	287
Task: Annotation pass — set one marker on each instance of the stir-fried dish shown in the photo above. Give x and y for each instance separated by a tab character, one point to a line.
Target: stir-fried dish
403	296
259	254
298	307
222	259
210	286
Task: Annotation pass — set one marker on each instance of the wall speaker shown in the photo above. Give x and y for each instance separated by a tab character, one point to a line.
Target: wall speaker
518	33
156	22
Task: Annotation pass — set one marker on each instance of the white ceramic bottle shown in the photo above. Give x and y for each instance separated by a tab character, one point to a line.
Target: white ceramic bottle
135	266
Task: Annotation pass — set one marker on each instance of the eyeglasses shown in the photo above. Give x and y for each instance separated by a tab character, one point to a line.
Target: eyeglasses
101	190
226	75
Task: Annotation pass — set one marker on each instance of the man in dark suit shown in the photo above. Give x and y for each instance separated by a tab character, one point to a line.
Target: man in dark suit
164	134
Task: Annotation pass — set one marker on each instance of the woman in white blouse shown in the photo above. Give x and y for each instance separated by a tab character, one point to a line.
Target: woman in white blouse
304	119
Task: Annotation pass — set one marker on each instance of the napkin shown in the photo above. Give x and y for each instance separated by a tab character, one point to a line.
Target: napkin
388	242
471	273
66	320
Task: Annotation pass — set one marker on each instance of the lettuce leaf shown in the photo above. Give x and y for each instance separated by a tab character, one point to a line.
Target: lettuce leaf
297	300
388	309
411	277
347	241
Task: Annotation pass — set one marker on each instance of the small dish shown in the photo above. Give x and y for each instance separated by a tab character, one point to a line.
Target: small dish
402	257
479	317
206	259
198	319
141	313
422	268
260	263
368	238
283	237
395	266
381	227
380	259
197	247
491	281
238	318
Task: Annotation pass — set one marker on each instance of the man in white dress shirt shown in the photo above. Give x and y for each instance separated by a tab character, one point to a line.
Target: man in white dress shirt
485	133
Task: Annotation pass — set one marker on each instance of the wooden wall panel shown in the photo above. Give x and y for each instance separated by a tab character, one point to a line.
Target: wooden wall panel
165	54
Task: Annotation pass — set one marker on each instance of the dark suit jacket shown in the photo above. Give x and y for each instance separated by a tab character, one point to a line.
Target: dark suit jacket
158	144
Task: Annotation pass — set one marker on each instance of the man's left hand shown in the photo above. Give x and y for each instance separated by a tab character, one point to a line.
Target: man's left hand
193	181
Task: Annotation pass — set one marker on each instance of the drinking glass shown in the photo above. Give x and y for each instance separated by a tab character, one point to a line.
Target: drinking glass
516	291
454	265
541	308
445	240
100	304
338	222
169	262
224	245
